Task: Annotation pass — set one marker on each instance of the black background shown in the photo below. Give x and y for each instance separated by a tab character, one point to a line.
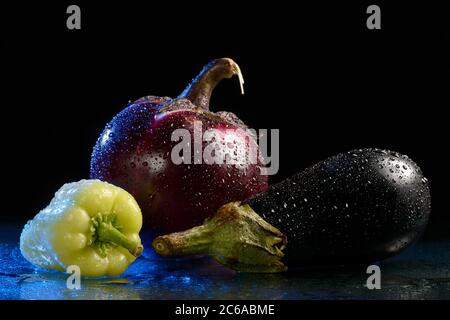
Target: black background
312	70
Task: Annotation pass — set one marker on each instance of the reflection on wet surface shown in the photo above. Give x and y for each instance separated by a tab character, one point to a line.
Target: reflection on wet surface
422	272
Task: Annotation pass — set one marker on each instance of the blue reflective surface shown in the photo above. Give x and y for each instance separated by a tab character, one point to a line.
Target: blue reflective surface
422	272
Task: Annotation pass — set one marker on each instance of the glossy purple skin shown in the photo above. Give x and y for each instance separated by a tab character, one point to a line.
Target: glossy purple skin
134	152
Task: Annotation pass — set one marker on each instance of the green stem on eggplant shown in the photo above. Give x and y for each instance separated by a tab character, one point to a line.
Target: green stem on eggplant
235	236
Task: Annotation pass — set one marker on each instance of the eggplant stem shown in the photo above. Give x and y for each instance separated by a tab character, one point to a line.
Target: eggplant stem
200	89
235	236
193	241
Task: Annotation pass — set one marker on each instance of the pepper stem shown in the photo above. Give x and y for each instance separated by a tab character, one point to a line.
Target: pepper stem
201	87
106	232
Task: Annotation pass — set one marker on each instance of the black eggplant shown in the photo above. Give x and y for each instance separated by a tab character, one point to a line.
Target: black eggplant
356	207
360	206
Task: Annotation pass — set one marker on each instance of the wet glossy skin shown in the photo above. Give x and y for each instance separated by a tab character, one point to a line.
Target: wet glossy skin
133	152
360	206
